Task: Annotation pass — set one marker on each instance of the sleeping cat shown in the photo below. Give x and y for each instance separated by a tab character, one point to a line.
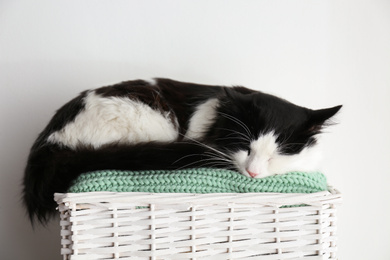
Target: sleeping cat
165	124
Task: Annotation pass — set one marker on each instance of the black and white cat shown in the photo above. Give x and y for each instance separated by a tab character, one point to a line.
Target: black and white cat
139	125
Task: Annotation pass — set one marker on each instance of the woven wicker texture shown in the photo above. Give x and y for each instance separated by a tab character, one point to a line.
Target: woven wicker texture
199	180
161	226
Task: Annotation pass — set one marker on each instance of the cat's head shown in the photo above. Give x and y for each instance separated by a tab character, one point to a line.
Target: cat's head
265	135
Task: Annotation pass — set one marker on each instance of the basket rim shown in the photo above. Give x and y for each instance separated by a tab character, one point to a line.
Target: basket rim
273	199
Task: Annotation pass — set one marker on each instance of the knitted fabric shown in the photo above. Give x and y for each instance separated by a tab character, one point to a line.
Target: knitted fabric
197	180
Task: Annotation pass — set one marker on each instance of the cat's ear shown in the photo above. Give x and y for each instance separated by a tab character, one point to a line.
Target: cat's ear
321	118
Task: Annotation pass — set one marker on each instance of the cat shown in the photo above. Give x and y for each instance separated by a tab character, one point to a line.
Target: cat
166	124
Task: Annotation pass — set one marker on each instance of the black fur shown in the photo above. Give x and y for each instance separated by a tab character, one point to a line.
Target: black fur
52	167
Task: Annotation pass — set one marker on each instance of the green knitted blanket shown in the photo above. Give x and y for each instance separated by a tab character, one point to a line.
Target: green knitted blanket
197	180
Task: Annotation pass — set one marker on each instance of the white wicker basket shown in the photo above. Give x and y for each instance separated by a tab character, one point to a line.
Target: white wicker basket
108	225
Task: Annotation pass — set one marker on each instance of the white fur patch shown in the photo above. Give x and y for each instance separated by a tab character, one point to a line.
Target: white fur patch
115	119
202	118
265	160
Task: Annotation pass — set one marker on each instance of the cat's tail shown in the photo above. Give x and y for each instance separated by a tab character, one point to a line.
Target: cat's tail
52	169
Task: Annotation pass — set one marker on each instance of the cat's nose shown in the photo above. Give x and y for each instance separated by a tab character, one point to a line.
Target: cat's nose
252	174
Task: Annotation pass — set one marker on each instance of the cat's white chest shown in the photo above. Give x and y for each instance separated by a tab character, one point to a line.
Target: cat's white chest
108	120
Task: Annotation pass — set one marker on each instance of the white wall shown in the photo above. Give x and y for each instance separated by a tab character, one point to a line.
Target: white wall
314	53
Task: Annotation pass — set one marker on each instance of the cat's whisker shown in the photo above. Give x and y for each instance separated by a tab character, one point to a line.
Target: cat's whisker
216	165
219	158
235	140
242	136
232	136
186	156
205	145
216	158
234	131
213	159
290	144
236	144
286	138
186	166
216	162
203	163
237	121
